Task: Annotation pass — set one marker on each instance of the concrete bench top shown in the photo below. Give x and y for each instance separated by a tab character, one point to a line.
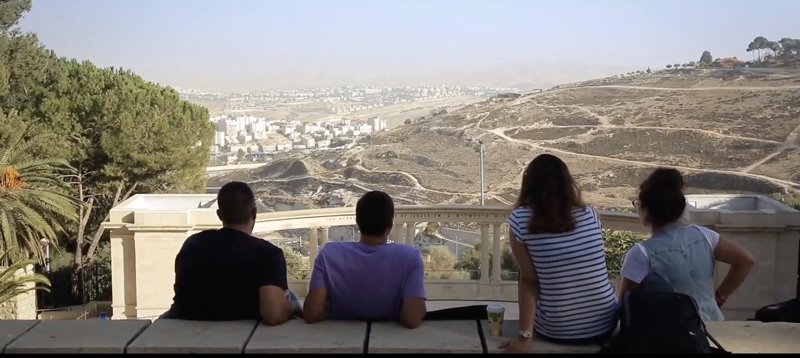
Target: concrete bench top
78	336
430	337
511	331
11	330
179	336
756	337
295	336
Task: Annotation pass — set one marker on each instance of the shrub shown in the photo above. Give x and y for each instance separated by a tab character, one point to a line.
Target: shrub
617	245
440	264
297	267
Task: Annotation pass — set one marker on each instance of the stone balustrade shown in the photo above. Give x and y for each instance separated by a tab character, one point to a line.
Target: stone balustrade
295	336
148	230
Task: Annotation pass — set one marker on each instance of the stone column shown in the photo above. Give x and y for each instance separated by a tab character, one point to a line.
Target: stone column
410	233
123	274
396	235
323	236
496	252
156	250
485	247
313	246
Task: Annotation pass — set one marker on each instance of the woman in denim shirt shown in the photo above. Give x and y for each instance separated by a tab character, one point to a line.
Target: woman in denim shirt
679	256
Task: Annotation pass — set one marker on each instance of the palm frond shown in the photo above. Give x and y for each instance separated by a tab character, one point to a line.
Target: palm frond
16	279
38	203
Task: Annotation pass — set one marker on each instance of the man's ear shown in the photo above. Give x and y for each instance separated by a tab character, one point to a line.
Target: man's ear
254	212
219	215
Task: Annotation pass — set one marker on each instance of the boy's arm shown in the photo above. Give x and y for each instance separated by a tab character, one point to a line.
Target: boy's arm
414	309
314	306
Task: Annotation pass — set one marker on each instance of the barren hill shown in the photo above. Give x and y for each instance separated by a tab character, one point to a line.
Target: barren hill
727	130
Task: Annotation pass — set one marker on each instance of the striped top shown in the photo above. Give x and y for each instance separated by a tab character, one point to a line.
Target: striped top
576	298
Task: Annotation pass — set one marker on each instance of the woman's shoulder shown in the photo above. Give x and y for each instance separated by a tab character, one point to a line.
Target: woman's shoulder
584	212
521	211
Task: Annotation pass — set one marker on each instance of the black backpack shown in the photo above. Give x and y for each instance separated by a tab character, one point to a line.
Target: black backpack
660	322
786	311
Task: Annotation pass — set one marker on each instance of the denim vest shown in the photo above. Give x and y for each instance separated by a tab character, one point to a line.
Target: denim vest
682	261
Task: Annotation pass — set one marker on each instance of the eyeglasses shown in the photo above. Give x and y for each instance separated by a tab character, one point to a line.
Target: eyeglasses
636	203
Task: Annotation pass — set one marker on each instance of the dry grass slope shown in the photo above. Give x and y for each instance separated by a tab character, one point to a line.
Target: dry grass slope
728	130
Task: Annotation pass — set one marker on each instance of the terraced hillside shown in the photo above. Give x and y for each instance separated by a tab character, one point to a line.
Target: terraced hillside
727	130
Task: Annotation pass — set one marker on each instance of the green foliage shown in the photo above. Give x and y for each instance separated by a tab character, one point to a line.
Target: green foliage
791	198
471	262
14	280
617	245
96	277
440	264
790	47
125	130
35	203
706	59
11	11
120	133
296	264
431	229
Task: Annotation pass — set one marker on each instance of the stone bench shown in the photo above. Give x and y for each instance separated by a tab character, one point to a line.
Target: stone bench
77	336
296	336
510	331
177	336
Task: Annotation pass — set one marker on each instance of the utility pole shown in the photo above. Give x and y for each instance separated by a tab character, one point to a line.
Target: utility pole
483	154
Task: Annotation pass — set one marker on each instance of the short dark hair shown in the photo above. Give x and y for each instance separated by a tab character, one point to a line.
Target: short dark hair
374	213
236	202
661	194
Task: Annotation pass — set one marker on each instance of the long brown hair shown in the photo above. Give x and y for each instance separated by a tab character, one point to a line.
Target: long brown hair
549	190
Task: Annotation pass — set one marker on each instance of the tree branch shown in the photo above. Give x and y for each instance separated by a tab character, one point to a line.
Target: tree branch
99	233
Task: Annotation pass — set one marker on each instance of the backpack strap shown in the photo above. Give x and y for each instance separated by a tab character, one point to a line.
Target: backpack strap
713	340
650	256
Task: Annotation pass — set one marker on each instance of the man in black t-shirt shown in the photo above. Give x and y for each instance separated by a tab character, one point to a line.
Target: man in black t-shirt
227	274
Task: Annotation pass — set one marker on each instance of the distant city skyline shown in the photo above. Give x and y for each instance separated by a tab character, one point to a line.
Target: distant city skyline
261	45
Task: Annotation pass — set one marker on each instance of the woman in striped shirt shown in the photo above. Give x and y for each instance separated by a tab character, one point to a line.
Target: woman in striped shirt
565	295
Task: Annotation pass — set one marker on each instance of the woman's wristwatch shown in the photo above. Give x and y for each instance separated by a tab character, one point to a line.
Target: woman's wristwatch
525	334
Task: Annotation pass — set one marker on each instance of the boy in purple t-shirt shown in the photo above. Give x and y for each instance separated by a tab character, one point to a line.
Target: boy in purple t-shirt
370	279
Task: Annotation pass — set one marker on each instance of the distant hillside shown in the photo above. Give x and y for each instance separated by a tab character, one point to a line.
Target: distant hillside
729	130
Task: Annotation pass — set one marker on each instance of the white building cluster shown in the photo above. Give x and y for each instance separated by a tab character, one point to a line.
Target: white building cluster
258	136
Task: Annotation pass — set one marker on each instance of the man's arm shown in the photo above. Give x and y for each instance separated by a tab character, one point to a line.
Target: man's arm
314	307
274	307
414	309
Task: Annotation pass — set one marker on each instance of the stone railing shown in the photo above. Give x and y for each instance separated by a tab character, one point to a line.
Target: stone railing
148	230
176	336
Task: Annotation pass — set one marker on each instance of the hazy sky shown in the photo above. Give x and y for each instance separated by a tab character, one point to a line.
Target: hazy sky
239	45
